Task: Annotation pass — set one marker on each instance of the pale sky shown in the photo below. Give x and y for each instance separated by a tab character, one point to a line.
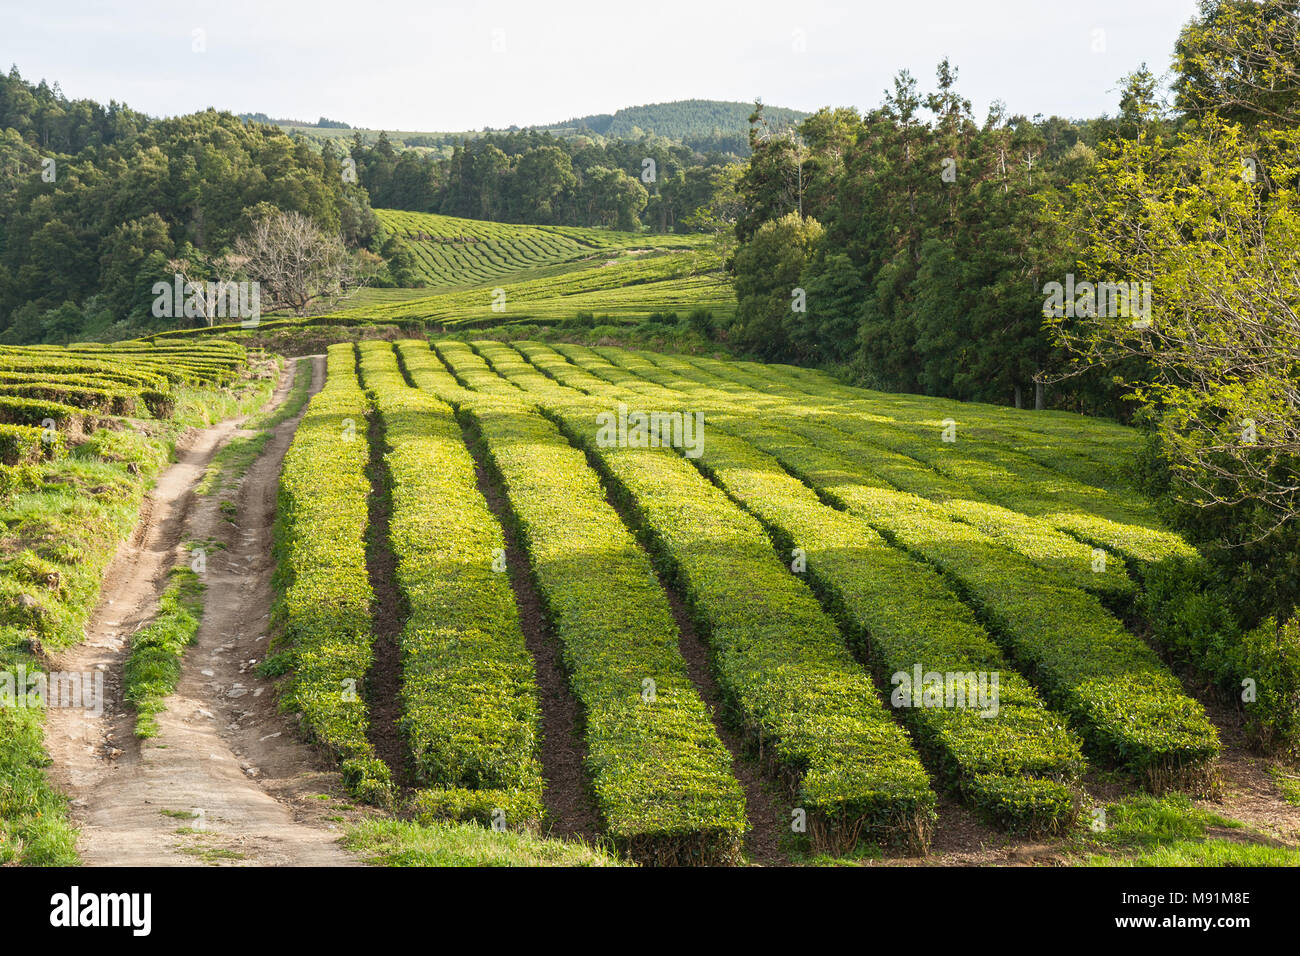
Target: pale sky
459	65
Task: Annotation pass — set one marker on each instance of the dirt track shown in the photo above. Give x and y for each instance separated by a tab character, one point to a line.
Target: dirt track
226	780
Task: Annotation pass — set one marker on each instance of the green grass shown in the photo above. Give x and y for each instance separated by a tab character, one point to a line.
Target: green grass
153	667
398	843
233	460
1288	782
34	829
60	529
1171	831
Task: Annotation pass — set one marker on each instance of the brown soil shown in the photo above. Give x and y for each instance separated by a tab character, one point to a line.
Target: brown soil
570	809
388	615
226	780
764	810
1246	791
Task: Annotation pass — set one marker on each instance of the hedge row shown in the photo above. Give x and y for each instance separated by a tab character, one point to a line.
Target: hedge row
105	401
26	444
789	679
1126	525
1049	548
127	381
1017	767
15	410
1178	599
325	594
1085	449
660	775
1131	711
210	363
470	706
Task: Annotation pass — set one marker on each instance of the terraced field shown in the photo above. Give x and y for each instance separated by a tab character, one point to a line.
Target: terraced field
827	545
454	252
488	273
480	274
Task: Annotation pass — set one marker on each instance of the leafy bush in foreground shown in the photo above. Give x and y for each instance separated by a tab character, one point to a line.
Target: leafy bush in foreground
325	595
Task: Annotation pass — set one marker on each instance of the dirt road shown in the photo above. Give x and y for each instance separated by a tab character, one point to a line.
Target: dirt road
226	781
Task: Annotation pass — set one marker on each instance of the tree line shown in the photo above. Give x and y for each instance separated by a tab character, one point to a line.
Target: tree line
1144	265
97	204
529	176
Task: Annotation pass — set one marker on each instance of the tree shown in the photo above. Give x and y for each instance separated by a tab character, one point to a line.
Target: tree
721	205
769	299
294	261
613	198
772	182
1241	59
1218	244
544	181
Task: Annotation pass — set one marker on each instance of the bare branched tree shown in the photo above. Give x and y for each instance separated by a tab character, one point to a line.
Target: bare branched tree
295	262
213	276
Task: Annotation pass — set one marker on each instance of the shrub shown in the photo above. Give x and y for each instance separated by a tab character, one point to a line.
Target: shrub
701	320
791	684
1191	617
470	702
900	614
660	775
1130	710
27	444
323	610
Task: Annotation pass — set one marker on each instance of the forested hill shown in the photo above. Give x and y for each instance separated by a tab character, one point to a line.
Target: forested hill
707	126
97	203
701	124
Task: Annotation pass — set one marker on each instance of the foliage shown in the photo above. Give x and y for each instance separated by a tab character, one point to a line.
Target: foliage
660	775
80	253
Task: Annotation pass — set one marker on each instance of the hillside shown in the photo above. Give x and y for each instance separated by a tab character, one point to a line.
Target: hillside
450	252
700	124
704	125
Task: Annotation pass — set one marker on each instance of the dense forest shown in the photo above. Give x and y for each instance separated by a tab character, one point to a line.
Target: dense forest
707	126
537	177
98	203
918	236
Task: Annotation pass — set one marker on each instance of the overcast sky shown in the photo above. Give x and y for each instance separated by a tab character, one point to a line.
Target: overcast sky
401	64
